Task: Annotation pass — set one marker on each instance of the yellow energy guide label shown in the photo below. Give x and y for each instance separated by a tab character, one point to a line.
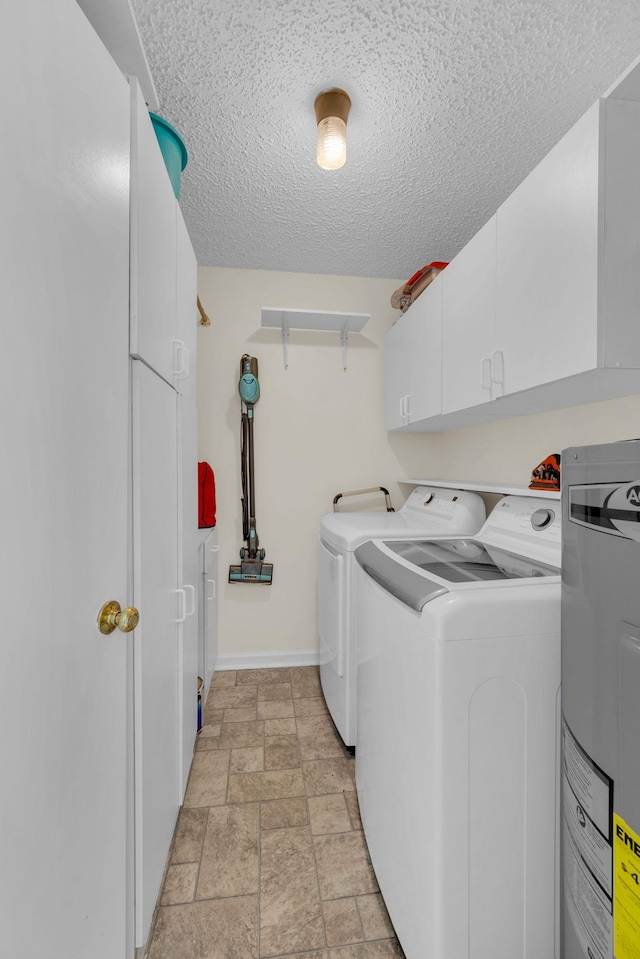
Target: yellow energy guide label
626	890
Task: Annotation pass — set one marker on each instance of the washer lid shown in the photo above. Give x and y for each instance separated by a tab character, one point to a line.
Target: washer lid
418	571
411	588
468	560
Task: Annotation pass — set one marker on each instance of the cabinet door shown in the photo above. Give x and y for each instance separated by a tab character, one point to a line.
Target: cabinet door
396	374
547	264
153	247
156	680
210	605
468	322
423	354
186	320
186	312
619	338
188	579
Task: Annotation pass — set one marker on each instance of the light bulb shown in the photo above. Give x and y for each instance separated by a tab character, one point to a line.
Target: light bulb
332	143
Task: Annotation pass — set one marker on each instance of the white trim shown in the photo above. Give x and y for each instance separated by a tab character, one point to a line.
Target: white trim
266	660
504	488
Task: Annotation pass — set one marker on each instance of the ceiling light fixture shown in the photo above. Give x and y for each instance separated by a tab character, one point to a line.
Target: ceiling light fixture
332	111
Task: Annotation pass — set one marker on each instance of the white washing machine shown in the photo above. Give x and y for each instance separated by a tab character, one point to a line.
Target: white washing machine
457	765
428	511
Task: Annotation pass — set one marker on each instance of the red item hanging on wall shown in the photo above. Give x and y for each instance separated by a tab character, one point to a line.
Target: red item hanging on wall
206	496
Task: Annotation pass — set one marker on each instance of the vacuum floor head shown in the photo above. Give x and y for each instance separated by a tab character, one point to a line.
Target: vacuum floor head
252	571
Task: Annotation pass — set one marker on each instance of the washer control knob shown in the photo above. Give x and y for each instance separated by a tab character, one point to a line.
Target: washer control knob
542	518
428	499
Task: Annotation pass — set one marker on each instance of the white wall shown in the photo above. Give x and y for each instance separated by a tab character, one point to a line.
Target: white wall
319	431
508	450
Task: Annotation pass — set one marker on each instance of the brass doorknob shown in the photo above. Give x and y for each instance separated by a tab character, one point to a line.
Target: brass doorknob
111	616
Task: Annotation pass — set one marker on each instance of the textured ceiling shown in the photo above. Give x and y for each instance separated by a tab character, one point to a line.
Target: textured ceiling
453	103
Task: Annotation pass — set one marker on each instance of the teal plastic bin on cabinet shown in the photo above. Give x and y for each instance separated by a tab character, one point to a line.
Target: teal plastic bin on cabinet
173	150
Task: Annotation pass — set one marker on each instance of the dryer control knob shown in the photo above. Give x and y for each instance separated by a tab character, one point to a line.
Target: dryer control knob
428	498
542	518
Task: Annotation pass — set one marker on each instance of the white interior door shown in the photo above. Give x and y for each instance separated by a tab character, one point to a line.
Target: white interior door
63	486
156	668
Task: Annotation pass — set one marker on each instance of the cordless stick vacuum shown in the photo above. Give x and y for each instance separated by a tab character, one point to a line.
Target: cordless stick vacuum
252	569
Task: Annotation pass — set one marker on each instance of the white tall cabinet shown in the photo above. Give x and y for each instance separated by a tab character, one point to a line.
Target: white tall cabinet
98	497
162	344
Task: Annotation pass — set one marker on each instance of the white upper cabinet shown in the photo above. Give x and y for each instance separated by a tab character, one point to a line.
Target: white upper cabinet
153	248
412	361
547	270
567	239
568	286
540	310
468	322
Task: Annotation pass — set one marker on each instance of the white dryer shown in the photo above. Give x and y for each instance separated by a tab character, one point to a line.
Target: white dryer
457	766
429	511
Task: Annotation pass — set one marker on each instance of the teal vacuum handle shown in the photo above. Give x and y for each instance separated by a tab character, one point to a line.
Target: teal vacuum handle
248	387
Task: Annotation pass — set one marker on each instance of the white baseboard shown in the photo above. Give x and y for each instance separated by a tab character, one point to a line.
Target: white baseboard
267	660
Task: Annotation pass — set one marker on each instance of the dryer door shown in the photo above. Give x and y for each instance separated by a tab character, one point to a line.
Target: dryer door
331	608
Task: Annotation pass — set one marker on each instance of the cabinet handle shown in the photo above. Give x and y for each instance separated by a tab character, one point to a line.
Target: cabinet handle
183	615
497	368
485	373
180	352
402	413
407	406
193	599
213	589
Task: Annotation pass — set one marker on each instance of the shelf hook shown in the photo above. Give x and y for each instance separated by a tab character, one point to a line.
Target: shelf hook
285	340
344	336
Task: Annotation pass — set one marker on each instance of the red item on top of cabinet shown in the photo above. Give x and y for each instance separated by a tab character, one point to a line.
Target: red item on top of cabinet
402	298
206	496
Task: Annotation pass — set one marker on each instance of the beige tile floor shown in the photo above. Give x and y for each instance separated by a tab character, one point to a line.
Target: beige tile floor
268	857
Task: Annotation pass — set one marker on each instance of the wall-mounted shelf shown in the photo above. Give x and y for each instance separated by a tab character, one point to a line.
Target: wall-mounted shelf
500	488
326	320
